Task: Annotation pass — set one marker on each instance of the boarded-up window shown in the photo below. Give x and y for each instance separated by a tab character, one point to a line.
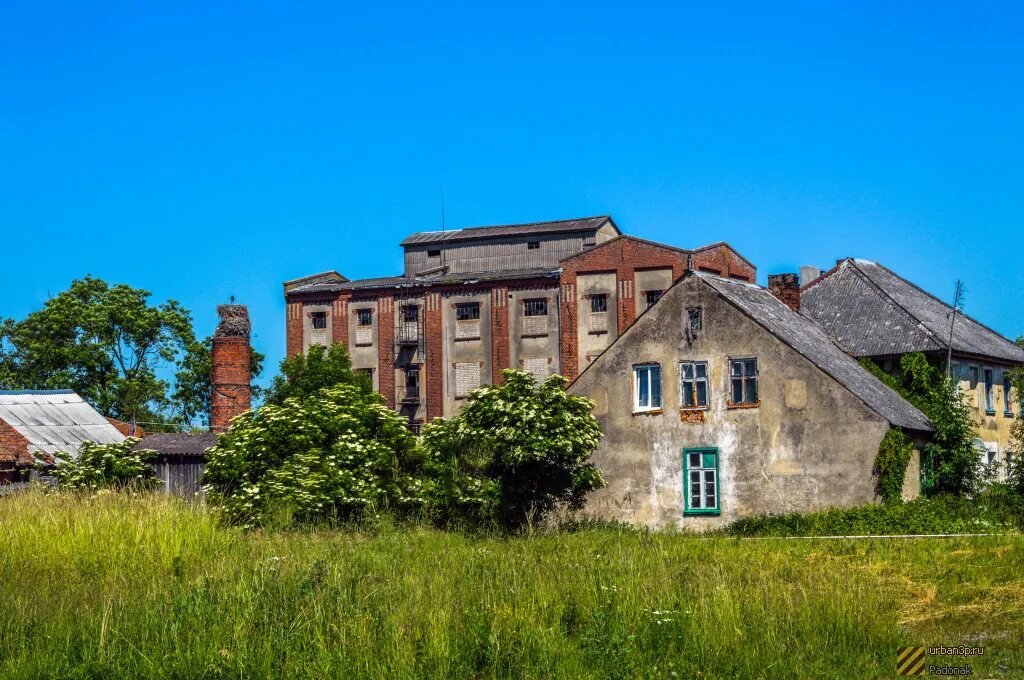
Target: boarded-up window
467	378
467	330
538	367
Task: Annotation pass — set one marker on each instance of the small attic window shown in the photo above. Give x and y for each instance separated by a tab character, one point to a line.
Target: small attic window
533	245
434	253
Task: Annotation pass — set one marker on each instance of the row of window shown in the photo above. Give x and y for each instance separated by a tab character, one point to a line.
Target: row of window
970	374
694	386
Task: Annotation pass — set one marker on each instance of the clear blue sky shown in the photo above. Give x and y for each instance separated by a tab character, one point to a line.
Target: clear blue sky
202	150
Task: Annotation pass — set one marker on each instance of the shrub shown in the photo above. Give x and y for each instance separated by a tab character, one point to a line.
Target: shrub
894	454
103	466
335	455
304	374
514	452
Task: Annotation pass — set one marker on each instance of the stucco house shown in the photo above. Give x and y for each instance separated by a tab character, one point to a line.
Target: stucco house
722	401
873	312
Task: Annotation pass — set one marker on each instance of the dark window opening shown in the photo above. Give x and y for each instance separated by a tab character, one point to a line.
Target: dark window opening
412	381
433	253
652	296
410	313
533	245
693	318
535	307
588	244
319	320
467	311
599	302
743	375
364	317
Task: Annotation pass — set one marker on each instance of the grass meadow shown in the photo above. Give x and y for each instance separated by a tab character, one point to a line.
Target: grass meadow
116	586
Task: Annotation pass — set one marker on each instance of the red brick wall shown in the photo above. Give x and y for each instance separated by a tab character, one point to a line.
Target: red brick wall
13	448
500	356
340	318
434	368
724	261
386	348
293	328
230	377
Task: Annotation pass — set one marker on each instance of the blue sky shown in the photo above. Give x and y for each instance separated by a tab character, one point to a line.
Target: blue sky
204	150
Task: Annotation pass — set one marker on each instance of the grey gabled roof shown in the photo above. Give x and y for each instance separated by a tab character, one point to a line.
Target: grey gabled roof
55	420
809	339
872	311
178	443
470	233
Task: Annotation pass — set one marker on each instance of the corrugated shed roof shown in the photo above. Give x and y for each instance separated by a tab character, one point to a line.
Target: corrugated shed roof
433	280
178	443
871	311
470	233
810	340
55	420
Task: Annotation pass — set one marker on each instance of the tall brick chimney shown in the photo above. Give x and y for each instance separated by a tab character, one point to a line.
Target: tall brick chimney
229	374
786	287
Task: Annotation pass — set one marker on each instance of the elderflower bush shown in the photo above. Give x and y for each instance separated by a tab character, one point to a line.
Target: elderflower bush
104	466
334	455
514	452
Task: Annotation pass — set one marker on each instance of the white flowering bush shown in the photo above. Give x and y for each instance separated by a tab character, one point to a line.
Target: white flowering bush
104	466
336	454
514	453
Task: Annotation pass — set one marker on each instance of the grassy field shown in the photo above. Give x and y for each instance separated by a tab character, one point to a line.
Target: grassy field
121	587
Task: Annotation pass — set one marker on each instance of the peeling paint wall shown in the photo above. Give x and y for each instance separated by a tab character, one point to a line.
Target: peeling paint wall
809	444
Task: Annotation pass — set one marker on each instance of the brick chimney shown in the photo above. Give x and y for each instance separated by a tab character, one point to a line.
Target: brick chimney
786	287
229	374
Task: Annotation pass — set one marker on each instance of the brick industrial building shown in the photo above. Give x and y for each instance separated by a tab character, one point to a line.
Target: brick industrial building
546	297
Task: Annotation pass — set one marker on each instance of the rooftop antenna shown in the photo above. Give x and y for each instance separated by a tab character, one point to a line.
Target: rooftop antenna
958	303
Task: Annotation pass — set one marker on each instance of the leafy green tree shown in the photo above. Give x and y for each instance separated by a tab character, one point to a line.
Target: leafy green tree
192	385
337	454
516	451
305	374
102	341
950	456
1015	457
105	466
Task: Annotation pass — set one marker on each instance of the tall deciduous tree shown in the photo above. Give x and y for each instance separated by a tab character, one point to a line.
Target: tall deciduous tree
103	341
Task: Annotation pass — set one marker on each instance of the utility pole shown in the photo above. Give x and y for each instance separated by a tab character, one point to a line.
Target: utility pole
958	301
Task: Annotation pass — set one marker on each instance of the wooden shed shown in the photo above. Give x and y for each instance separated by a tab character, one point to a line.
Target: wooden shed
179	461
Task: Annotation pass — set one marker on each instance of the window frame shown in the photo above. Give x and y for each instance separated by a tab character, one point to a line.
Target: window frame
989	379
536	302
682	382
436	252
460	306
533	245
702	451
314	316
415	309
647	366
647	297
359	317
744	378
603	297
1007	400
695	312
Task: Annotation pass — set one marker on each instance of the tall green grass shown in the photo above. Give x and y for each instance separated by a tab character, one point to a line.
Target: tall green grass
147	587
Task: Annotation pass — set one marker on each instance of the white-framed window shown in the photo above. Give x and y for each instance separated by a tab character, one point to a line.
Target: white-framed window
693	384
646	388
743	379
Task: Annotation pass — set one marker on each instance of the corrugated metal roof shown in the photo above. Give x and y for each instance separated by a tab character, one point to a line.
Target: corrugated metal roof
809	339
469	233
433	280
872	311
55	420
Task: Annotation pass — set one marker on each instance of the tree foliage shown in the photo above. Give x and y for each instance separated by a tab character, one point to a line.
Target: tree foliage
1015	452
336	454
105	466
949	457
103	341
192	384
894	453
514	452
304	374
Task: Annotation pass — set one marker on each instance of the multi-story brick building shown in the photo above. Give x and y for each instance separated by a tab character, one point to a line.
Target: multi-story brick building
546	297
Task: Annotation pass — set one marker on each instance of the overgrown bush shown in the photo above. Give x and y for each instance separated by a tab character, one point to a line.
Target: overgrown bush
894	454
338	454
304	374
952	466
942	515
104	466
514	453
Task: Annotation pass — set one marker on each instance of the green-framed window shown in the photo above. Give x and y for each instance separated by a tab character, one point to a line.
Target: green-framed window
701	490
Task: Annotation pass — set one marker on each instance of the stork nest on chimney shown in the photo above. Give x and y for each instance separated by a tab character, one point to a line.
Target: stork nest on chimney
234	321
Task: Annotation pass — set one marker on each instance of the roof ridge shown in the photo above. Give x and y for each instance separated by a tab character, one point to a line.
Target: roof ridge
864	275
